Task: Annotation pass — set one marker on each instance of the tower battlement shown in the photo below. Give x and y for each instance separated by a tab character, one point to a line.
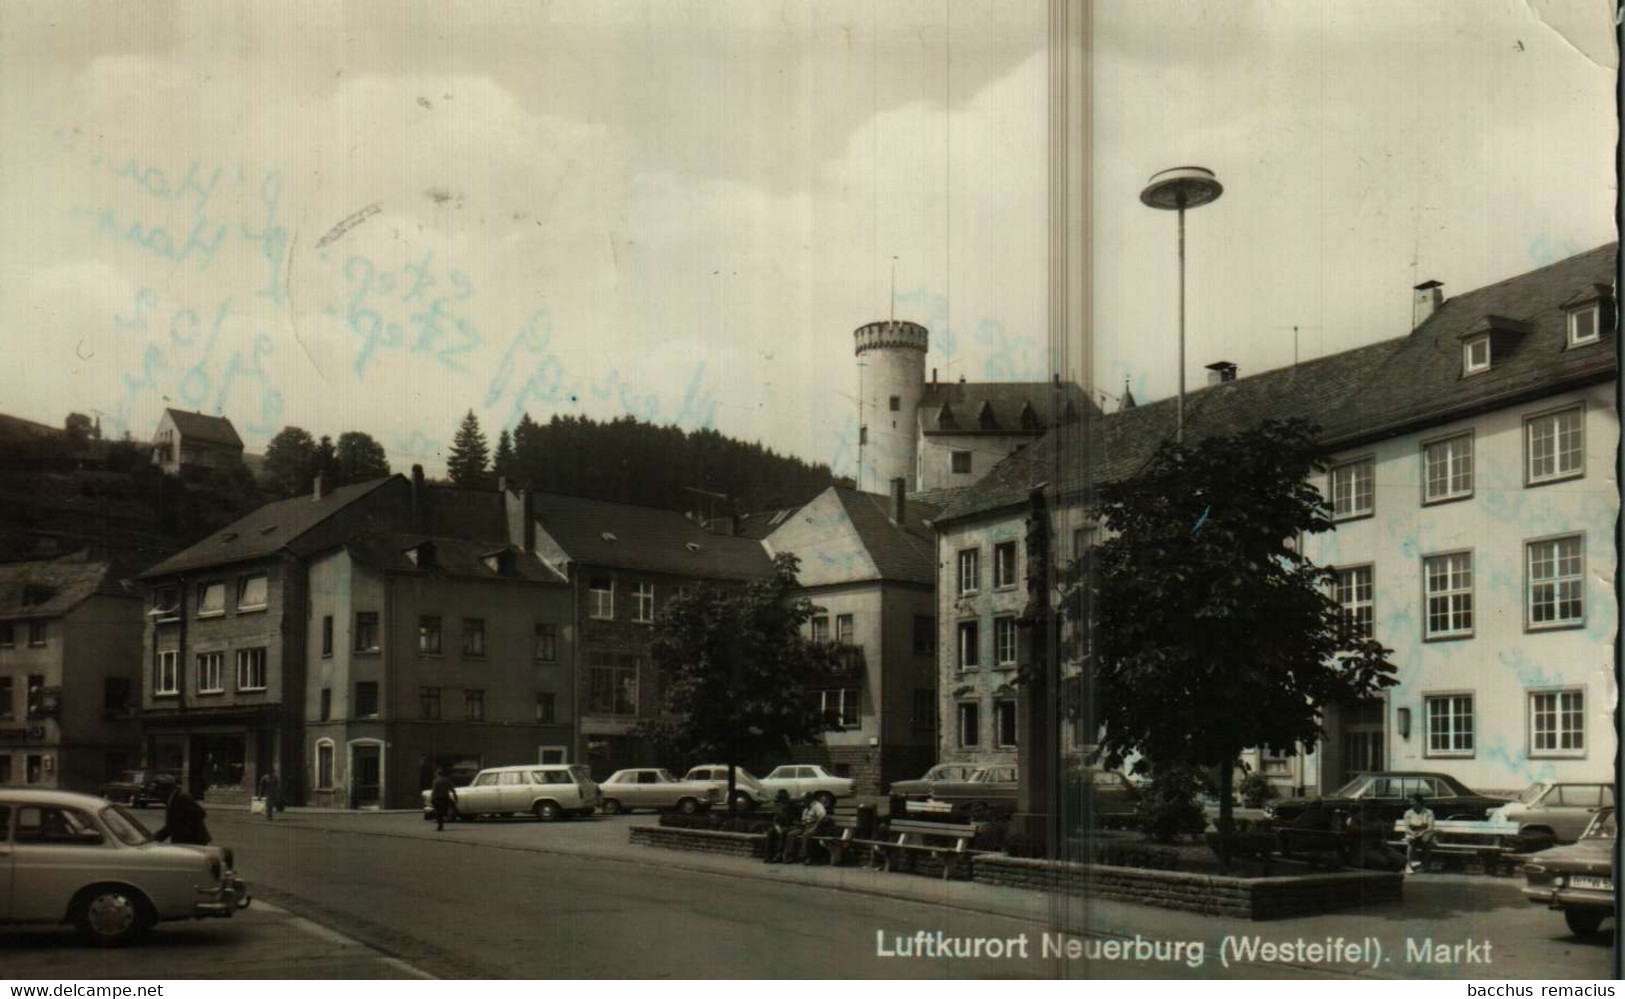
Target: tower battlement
891	333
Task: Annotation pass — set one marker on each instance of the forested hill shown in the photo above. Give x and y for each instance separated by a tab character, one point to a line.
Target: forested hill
628	461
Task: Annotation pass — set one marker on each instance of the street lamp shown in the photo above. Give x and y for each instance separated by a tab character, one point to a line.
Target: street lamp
1176	190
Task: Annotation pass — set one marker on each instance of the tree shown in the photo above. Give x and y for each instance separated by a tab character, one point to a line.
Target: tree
290	461
326	463
78	428
503	462
359	458
1213	634
469	453
736	668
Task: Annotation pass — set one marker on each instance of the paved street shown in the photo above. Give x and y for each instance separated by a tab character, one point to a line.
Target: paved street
519	899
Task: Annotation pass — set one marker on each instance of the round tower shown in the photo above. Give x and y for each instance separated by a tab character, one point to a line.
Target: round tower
891	380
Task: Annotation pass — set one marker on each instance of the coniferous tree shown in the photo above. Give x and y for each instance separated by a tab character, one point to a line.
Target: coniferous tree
467	465
503	464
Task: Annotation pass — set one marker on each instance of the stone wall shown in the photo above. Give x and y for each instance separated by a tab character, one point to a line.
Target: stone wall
700	841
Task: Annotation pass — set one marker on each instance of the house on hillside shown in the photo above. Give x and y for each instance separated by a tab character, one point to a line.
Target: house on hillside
192	440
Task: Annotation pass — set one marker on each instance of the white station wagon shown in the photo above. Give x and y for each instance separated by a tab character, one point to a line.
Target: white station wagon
75	858
545	790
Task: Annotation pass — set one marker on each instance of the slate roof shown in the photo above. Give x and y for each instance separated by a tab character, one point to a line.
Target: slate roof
1379	390
645	538
1004	402
461	557
265	531
906	552
53	588
213	429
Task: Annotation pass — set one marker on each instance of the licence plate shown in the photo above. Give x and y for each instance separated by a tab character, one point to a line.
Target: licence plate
1595	884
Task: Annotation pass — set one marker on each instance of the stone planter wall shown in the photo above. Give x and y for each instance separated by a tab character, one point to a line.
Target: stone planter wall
1244	898
700	841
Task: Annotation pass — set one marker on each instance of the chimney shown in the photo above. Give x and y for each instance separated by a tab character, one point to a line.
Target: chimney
933	377
899	505
1425	301
1220	373
961	378
316	491
419	498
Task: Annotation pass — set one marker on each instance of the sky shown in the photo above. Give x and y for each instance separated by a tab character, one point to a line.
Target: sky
370	216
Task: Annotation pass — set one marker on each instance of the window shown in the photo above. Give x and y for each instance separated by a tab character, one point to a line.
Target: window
601	598
863	435
1275	762
327	703
250	669
36	634
1449	587
925	636
1004	565
1475	355
429	701
1353	593
970	571
164	678
924	716
896	403
613	689
1353	489
8	708
33	772
1447	469
1450	725
429	634
211	673
547	710
8	635
366	699
211	600
5	778
1556	583
251	593
58	826
1004	724
970	645
845	628
1555	446
841	702
1557	723
547	643
474	637
970	724
1583	325
366	631
324	765
327	636
820	627
961	462
1004	641
643	603
166	602
474	704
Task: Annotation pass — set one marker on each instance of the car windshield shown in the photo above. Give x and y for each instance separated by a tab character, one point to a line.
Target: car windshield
1603	826
125	826
1531	794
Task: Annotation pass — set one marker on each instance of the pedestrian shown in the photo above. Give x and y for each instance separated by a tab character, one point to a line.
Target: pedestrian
785	815
798	843
1419	832
271	793
183	819
442	797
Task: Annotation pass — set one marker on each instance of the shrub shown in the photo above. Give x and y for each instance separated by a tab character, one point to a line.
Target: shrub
1255	790
1245	845
1168	807
715	822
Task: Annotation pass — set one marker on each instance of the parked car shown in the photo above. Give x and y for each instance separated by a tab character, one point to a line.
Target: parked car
1579	878
1552	812
75	858
748	791
921	788
545	790
802	779
140	788
651	787
988	791
1448	797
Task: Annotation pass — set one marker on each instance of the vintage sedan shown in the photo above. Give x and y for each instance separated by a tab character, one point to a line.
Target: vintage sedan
75	858
651	787
1391	791
989	791
803	779
922	787
1552	812
1579	879
748	791
140	788
545	790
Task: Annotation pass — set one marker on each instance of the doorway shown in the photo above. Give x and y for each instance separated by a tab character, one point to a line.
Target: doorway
366	775
1364	743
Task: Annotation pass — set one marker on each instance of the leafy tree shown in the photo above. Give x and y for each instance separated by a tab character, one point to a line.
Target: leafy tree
290	462
736	668
1213	634
78	427
502	463
469	454
359	458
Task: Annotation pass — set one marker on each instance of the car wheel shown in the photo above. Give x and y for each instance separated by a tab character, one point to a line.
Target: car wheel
827	798
546	811
742	803
111	916
688	806
609	806
1583	922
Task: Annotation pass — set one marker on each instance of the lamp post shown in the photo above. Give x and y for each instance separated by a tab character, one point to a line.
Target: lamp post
1176	190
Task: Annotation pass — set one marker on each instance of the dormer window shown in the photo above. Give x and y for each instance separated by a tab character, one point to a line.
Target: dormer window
1587	313
985	418
1475	355
1585	325
945	418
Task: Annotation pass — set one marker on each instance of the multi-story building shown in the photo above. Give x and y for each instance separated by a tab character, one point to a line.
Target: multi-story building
70	671
193	440
432	652
868	564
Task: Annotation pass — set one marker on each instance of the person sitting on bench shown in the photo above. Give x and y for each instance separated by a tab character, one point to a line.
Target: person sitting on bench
813	816
785	816
1419	832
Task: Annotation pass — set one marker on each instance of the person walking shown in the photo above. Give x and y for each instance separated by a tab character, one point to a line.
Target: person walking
1419	832
442	796
183	820
271	793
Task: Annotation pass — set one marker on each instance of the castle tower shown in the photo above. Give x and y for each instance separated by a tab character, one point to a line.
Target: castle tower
891	378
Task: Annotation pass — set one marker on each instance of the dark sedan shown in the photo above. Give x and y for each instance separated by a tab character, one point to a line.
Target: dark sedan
140	788
1579	879
922	788
1391	790
987	792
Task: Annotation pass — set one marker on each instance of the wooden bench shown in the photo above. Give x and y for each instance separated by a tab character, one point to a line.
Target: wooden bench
909	839
1488	841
